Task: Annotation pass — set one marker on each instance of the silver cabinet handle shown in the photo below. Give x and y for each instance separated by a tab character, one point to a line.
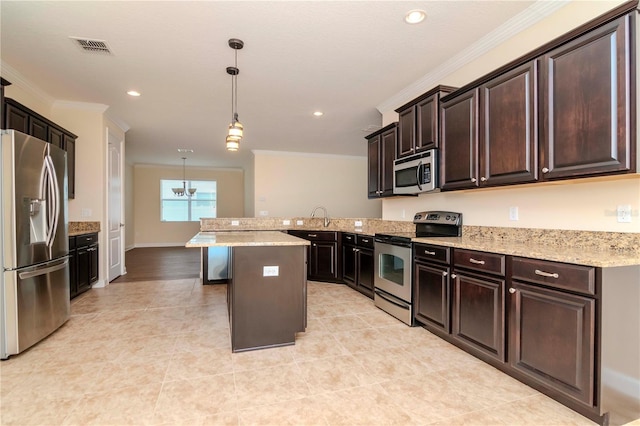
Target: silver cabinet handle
512	290
483	179
477	262
546	274
430	253
312	235
545	170
445	273
354	249
473	180
454	276
365	240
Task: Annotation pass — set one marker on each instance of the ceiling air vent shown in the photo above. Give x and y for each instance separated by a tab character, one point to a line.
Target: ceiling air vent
92	46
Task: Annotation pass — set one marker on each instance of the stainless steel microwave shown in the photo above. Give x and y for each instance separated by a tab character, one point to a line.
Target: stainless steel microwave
416	174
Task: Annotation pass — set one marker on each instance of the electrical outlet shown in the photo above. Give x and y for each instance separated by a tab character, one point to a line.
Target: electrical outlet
513	213
624	213
358	224
299	222
270	271
264	213
286	222
235	223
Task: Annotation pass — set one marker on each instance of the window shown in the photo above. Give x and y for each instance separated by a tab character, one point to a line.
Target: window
187	209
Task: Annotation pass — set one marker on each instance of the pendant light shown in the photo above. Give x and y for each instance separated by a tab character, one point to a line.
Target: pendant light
181	192
235	127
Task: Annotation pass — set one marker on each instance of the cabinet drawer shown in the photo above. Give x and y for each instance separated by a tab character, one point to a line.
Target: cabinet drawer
432	253
364	241
86	239
553	274
480	261
348	238
316	235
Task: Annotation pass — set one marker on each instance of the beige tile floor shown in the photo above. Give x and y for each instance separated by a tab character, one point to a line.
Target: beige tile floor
158	353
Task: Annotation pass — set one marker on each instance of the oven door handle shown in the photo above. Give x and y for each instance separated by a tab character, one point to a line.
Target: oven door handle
391	299
419	175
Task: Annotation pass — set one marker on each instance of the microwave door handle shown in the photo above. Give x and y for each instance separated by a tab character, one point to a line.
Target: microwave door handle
418	175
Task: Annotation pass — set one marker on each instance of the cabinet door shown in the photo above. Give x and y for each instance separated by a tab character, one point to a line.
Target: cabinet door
552	339
509	128
70	147
586	104
93	264
427	123
459	141
38	129
388	141
323	262
406	132
17	118
349	265
373	156
432	296
365	271
73	273
478	314
55	137
83	260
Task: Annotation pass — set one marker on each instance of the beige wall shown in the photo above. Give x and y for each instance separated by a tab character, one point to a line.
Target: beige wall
150	231
577	204
292	184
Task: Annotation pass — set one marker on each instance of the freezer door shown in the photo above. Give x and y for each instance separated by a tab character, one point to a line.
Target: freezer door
36	303
34	200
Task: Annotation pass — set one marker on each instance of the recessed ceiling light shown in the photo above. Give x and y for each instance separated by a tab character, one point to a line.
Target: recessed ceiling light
133	93
318	113
415	16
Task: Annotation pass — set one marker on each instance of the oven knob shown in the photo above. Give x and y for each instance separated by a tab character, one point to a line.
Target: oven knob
448	217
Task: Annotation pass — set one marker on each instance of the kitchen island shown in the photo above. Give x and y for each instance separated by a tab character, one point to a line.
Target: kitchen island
266	294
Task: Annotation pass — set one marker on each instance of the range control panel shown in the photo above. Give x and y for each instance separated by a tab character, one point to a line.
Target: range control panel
438	217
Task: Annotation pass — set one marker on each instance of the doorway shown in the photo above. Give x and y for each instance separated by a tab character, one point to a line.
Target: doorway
115	246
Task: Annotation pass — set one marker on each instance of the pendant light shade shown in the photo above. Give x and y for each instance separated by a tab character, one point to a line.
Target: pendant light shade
236	129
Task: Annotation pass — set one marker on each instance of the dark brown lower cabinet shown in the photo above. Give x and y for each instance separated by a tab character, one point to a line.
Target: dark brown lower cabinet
83	263
552	339
478	312
432	288
357	262
324	257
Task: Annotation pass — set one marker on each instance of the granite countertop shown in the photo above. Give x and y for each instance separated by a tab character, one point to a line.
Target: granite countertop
81	228
245	238
588	256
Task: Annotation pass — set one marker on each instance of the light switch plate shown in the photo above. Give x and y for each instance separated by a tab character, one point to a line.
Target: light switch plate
286	222
270	271
299	222
513	213
358	224
624	213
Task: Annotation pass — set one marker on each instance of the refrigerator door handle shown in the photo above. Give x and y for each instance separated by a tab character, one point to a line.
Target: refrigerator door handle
43	271
53	201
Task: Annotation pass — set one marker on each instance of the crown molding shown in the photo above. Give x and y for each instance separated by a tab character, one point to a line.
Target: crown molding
12	75
525	19
86	106
123	125
257	152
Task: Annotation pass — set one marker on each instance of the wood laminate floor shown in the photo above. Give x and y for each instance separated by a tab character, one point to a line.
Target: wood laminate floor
161	263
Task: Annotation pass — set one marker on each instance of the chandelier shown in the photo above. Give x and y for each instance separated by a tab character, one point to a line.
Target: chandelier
180	192
235	127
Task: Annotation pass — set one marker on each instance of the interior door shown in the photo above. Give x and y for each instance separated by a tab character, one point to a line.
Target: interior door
115	250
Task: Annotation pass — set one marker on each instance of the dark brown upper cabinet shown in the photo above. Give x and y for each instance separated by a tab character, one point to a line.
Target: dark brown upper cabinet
588	106
459	141
418	124
381	154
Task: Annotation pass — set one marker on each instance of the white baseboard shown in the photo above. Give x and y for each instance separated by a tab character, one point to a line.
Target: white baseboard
129	248
99	284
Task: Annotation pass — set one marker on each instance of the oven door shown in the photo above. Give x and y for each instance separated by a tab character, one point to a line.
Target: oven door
392	265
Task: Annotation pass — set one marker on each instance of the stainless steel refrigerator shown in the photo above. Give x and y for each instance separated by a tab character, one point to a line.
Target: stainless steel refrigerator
34	288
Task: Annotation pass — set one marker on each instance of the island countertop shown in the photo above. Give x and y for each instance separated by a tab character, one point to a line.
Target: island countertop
244	238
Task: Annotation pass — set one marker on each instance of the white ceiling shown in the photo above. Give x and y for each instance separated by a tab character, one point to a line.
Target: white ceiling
341	57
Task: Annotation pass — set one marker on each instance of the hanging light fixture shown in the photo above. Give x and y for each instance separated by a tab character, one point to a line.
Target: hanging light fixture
180	192
235	127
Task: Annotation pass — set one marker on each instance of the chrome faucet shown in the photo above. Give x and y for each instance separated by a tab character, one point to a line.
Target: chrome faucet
326	215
